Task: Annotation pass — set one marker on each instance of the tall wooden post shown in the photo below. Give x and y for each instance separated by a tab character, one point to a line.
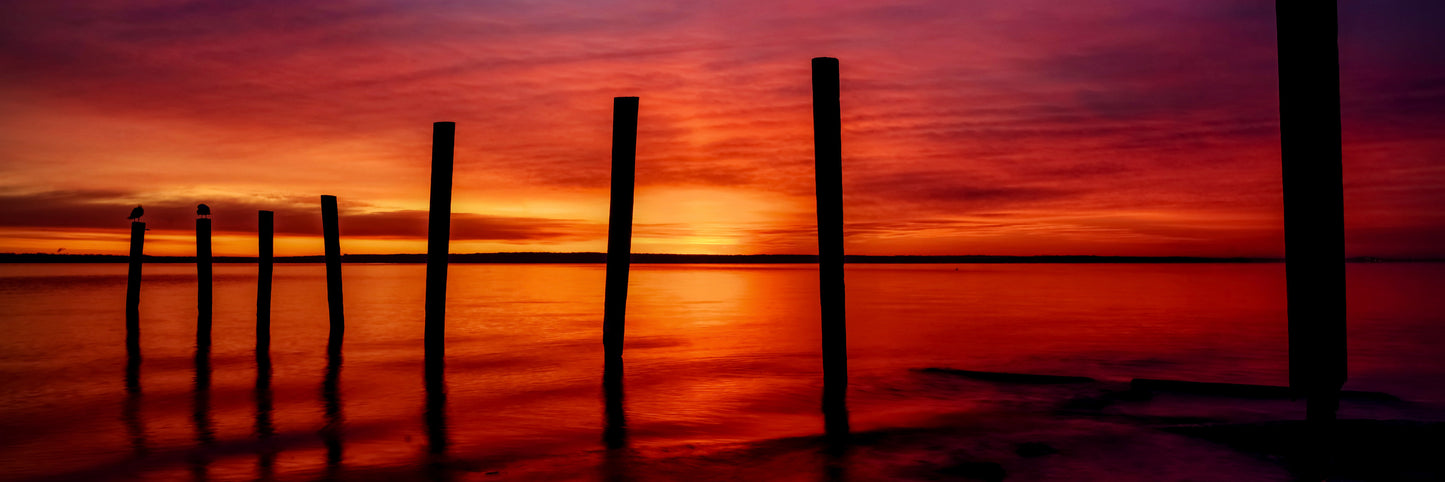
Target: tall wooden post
828	152
332	234
132	288
619	230
1309	111
203	281
438	237
330	383
264	263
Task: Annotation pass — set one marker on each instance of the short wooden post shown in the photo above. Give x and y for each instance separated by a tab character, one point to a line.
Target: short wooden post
203	281
264	265
828	168
132	288
332	234
619	229
1314	227
438	237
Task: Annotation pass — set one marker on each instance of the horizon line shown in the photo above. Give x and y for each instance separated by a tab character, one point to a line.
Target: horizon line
587	257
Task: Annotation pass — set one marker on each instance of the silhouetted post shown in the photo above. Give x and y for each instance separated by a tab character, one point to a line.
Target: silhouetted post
1309	111
332	234
619	229
203	281
264	263
438	235
828	152
132	288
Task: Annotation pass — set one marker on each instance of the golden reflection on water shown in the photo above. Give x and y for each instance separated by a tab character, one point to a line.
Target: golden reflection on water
713	354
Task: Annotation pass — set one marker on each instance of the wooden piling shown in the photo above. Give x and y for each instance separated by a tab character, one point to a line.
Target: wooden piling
828	168
619	228
132	288
332	234
203	281
438	238
1309	108
265	244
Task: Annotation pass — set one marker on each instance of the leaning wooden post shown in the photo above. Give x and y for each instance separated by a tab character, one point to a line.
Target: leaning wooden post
332	235
619	230
203	278
828	168
264	265
1309	112
438	236
132	288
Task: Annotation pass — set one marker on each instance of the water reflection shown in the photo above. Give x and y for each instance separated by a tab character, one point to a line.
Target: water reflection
130	410
331	401
264	427
835	417
201	412
615	461
614	433
754	340
837	435
835	463
435	417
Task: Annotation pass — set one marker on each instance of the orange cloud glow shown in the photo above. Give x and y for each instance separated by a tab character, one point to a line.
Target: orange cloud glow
1139	127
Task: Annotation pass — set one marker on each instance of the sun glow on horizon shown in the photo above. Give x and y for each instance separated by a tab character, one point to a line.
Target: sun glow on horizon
1093	129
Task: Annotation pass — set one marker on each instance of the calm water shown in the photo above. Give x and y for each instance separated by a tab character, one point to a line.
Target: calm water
715	353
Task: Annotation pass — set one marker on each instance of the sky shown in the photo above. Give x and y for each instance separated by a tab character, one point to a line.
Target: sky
1032	127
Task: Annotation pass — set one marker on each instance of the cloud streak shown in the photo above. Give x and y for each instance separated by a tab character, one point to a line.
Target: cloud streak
1025	112
102	211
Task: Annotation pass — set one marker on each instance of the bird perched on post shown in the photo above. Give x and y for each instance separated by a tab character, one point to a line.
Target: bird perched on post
136	213
203	210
